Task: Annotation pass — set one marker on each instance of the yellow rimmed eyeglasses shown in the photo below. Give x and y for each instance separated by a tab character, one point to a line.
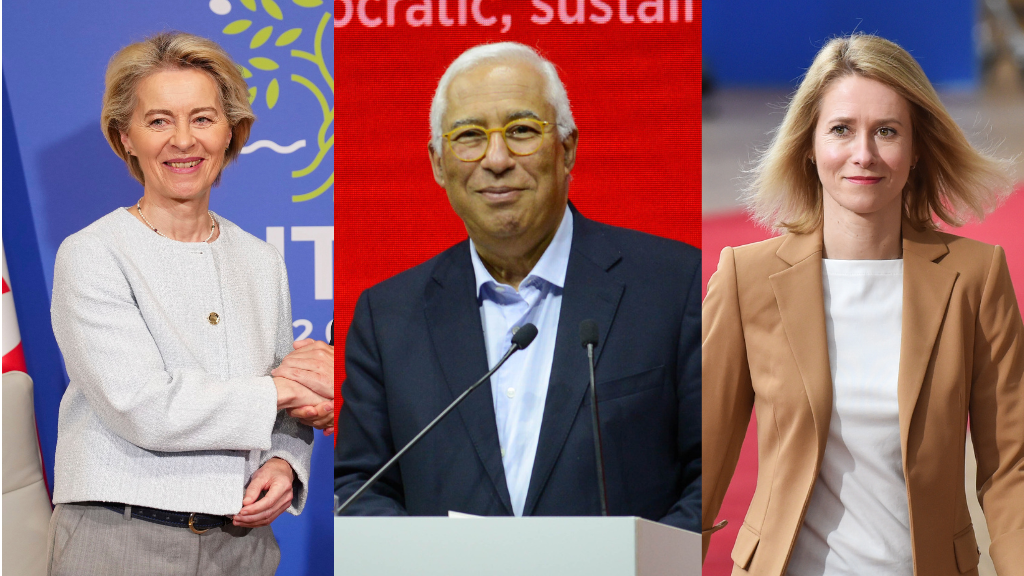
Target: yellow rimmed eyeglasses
522	137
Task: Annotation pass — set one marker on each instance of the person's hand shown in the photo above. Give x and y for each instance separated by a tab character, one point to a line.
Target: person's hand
320	416
310	364
268	495
292	395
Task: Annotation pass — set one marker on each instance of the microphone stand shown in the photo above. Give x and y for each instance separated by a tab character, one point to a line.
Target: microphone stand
597	434
589	335
520	340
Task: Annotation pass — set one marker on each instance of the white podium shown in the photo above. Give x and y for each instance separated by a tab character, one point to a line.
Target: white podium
503	546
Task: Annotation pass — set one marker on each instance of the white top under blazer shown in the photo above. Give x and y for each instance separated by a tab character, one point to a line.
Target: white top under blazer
857	521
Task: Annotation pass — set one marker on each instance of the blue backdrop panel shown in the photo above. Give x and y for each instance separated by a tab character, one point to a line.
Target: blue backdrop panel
939	35
60	174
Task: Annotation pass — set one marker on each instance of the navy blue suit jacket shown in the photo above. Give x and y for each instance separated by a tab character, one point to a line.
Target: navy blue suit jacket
416	342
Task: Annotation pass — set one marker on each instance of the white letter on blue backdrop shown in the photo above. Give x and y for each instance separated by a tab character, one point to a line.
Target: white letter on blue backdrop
322	238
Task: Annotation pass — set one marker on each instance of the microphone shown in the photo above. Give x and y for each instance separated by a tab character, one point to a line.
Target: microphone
588	338
520	340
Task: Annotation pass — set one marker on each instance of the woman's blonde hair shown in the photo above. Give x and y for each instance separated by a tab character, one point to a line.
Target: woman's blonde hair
172	51
951	181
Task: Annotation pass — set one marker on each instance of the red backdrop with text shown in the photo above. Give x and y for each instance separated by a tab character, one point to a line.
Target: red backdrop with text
632	72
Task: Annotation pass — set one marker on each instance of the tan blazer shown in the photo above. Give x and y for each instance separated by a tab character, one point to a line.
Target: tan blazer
961	354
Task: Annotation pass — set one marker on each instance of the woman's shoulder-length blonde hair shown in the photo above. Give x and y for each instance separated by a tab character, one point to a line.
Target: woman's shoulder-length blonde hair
172	51
952	181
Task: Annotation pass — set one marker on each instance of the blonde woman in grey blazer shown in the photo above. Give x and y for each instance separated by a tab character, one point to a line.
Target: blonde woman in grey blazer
185	429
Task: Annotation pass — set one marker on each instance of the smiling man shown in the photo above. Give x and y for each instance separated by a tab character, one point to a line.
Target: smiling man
503	146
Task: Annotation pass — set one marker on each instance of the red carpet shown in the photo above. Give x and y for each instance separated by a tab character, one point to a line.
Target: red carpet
1004	227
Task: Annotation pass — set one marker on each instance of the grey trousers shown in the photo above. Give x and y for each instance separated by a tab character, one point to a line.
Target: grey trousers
87	540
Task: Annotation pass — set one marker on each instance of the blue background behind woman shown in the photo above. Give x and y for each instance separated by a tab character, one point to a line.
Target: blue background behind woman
60	175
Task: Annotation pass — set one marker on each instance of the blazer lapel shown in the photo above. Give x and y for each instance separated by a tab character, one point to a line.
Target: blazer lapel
799	294
590	292
927	287
453	320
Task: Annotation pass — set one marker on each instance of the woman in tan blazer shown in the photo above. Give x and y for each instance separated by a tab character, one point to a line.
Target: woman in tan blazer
863	387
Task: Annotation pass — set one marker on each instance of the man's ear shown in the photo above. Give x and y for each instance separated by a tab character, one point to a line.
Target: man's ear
435	165
569	146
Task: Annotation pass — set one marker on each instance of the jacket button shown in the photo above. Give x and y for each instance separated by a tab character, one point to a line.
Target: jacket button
214	318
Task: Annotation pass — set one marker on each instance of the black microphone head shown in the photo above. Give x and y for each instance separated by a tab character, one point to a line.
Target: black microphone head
588	333
526	333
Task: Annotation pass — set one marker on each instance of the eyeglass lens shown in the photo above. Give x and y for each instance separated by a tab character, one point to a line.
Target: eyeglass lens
523	137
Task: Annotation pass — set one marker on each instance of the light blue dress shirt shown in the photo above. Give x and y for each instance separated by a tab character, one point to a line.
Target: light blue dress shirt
520	387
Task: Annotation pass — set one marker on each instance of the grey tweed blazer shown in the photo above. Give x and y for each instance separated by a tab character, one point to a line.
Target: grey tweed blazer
168	406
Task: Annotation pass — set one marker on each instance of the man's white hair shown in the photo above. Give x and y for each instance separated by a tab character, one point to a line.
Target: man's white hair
554	90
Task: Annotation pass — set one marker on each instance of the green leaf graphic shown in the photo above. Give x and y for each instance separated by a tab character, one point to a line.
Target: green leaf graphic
245	71
272	93
237	26
252	95
250	4
287	37
261	63
273	9
308	3
261	37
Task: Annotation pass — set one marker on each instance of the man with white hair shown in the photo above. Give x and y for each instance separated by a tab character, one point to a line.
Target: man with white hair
503	146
